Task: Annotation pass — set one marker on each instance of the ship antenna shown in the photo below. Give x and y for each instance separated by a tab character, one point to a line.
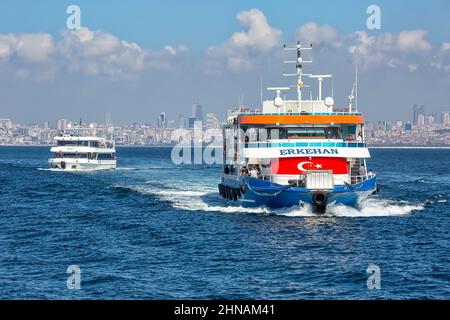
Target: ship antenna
261	88
299	66
356	88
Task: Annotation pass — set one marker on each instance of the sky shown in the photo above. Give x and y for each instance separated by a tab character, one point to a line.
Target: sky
135	59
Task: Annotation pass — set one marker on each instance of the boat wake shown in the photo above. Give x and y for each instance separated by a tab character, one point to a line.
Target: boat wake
208	200
50	169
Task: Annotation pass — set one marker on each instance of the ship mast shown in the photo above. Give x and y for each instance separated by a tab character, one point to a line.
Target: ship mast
298	66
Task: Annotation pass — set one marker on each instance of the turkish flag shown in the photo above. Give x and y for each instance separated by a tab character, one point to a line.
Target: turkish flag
300	165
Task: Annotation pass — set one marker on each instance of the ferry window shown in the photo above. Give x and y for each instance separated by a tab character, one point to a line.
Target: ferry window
349	132
63	143
300	133
104	156
94	144
82	155
333	133
252	134
69	155
278	133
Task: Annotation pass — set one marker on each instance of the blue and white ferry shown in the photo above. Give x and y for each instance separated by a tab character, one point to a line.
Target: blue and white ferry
296	152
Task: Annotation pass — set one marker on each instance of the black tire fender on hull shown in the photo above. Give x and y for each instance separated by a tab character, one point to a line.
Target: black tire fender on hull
229	193
319	200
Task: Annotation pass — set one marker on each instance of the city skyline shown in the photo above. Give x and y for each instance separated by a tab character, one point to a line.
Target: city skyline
421	130
124	65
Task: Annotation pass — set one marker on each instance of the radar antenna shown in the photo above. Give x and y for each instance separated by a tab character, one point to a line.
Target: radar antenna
351	97
298	65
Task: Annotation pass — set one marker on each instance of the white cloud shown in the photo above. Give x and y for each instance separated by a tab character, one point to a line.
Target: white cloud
170	50
441	60
312	33
413	67
259	35
92	53
27	47
96	53
413	40
8	44
405	49
243	47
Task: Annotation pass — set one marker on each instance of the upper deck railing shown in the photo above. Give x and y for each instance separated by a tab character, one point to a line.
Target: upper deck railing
304	144
338	113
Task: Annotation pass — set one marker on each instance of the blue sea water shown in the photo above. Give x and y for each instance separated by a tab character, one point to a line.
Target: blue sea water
155	230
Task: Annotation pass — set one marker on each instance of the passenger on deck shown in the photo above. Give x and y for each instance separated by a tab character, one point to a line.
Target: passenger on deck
362	170
370	173
254	172
360	138
244	171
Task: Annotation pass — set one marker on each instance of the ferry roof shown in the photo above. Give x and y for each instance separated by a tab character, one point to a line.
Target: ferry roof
72	138
264	119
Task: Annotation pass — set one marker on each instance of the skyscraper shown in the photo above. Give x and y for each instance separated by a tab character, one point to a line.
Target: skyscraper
108	121
197	111
212	122
445	119
421	120
161	121
62	124
416	112
181	121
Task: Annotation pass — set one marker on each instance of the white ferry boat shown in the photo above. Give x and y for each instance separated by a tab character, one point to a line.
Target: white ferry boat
75	153
296	152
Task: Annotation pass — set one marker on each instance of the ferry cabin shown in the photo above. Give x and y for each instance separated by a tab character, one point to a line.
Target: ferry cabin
90	148
286	146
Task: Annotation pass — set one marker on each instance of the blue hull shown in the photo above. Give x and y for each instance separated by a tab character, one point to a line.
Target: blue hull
251	192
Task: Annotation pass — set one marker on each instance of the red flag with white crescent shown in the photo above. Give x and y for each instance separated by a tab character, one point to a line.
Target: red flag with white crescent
300	165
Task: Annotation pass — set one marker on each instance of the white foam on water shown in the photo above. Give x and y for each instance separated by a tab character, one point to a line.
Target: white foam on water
126	168
204	200
303	211
376	207
208	199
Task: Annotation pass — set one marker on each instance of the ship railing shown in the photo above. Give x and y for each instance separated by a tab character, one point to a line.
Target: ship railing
358	179
304	144
335	113
266	177
301	180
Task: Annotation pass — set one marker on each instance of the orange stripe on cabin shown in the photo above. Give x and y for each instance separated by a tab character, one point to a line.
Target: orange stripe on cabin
301	119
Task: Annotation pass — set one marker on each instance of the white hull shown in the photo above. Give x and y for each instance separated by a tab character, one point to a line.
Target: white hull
70	164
